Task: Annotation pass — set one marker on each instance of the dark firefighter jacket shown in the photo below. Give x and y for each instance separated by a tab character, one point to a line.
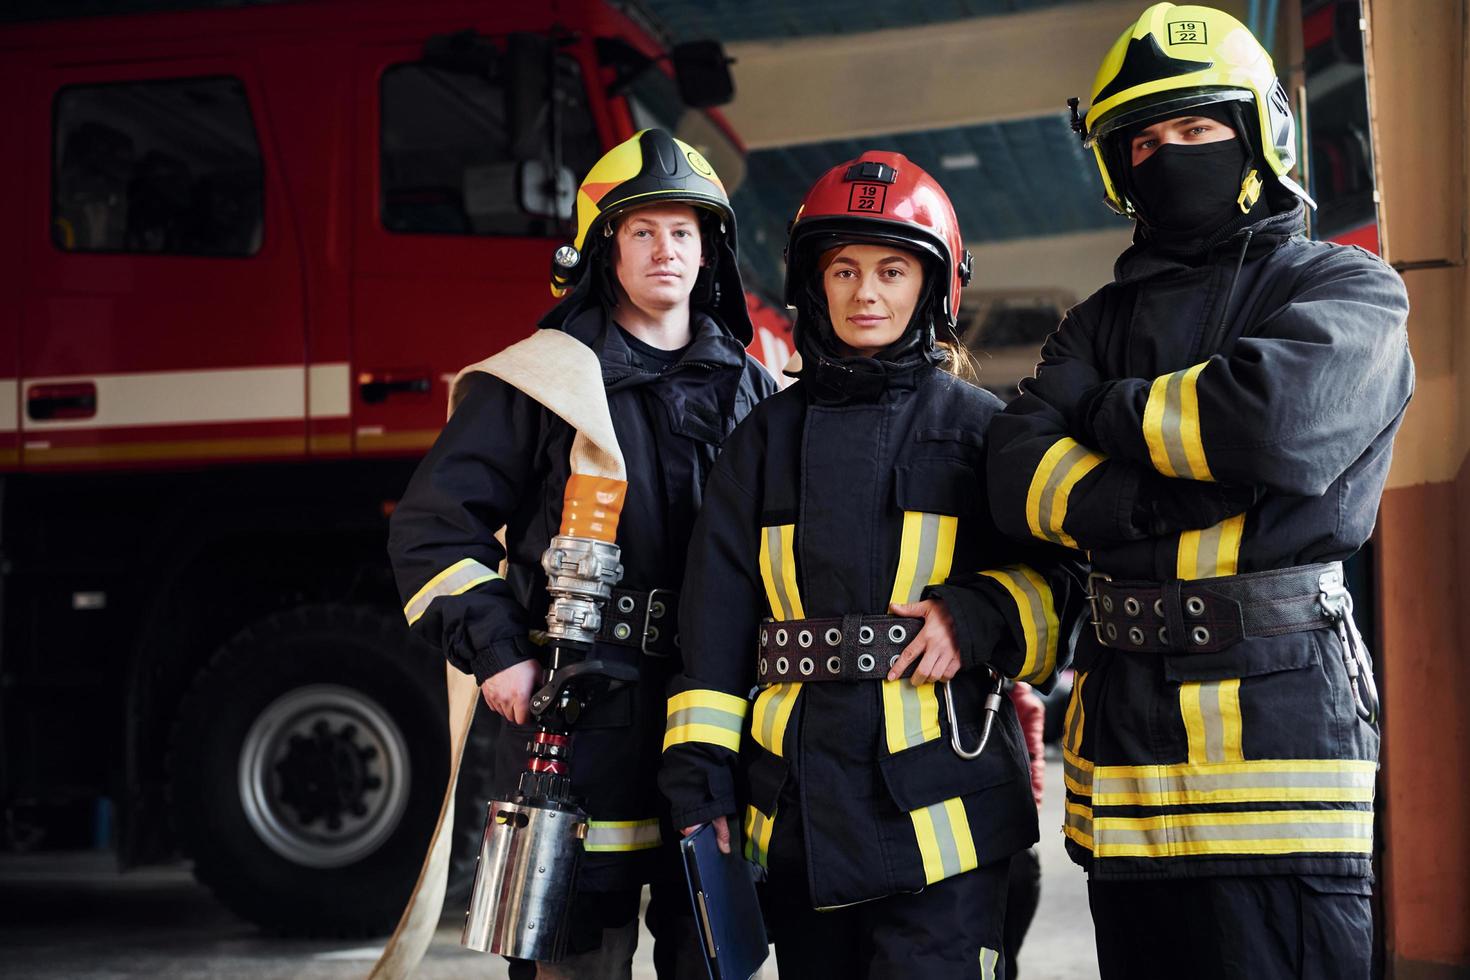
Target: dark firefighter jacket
1228	412
503	459
817	510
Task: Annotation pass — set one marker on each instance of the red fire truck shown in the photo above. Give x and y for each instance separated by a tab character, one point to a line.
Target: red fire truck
244	251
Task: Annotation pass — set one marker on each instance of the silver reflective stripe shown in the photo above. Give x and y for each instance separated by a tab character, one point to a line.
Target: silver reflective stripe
622	835
1172	422
778	564
1245	782
460	577
1267	832
1058	474
944	835
928	547
988	959
707	716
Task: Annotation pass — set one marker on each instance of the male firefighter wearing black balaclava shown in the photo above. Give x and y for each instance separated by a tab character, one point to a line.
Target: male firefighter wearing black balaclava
651	286
846	567
1213	429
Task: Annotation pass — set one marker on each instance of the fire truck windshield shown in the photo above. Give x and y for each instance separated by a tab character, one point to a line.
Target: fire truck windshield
653	98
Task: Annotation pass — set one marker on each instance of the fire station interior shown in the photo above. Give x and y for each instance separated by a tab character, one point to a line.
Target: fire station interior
974	91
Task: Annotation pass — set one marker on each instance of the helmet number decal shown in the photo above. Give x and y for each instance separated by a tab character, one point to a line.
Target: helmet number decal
867	198
1187	32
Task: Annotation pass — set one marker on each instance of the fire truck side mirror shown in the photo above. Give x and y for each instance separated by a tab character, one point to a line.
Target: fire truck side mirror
703	71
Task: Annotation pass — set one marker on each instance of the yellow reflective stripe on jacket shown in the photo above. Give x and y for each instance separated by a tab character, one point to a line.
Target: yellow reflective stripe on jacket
773	707
1211	712
1171	425
1249	781
460	577
1261	832
1212	551
758	829
1077	824
1061	468
945	842
925	553
702	715
1076	773
988	959
622	835
778	571
1037	610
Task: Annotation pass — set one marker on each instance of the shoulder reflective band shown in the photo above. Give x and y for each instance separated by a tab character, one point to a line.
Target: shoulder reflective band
778	571
1258	781
1263	832
1211	713
1211	552
1037	611
702	715
758	829
462	576
1077	825
622	835
1063	466
988	959
1171	425
773	707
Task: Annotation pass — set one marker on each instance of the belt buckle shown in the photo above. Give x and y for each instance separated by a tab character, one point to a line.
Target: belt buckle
643	639
1092	579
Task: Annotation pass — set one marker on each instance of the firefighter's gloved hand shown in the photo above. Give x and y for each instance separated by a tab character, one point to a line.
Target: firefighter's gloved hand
935	642
1191	506
722	833
508	693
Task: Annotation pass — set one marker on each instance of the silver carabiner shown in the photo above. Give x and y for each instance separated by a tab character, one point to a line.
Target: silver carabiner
992	708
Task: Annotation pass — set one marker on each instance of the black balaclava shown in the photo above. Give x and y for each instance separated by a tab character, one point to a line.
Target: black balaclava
1187	195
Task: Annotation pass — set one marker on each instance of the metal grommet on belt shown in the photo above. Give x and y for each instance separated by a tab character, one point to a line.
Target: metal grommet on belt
834	665
804	639
765	667
1135	636
833	637
625	603
1131	606
1112	632
892	660
865	635
656	610
1199	635
897	634
1164	635
1107	603
866	662
650	635
782	665
806	666
1195	606
781	637
1159	608
622	631
765	637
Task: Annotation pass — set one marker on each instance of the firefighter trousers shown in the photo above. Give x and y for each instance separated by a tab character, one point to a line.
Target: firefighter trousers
1284	927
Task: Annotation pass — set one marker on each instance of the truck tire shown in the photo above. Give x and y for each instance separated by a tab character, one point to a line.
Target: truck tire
306	770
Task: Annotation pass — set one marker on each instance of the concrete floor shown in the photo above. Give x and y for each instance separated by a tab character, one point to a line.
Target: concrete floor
72	916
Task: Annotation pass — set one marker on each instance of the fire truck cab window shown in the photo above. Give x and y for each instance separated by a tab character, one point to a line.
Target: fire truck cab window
448	164
169	167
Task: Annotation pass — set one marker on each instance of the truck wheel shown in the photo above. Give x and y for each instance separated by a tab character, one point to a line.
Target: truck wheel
307	766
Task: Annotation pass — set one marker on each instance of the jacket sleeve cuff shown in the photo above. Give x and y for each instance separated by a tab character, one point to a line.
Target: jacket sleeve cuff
978	624
499	655
703	813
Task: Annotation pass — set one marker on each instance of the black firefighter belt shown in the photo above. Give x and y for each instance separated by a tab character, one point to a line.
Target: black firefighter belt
839	648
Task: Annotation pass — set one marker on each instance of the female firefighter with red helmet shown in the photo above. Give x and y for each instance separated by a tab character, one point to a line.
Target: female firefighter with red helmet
844	532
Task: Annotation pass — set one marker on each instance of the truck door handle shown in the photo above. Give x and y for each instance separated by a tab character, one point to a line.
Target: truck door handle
376	388
76	400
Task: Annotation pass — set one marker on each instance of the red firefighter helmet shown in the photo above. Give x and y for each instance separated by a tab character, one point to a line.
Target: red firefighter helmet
880	197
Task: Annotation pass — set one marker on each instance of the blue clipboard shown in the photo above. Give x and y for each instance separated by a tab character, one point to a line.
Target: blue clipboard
726	910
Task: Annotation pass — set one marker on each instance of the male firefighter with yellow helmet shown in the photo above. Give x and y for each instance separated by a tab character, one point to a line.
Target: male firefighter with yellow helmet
1213	429
651	286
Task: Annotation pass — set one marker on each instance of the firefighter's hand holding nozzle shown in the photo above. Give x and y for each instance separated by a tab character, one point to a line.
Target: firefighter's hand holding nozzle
508	692
935	642
722	833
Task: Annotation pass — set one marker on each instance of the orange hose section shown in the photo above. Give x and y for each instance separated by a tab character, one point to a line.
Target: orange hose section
592	506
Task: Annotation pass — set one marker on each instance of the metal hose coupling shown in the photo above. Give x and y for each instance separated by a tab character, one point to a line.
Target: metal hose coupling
580	574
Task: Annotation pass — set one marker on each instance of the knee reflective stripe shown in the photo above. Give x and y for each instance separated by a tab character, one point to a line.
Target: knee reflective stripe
758	829
1061	469
1037	611
707	716
778	571
1211	712
988	959
1211	552
460	577
1272	832
925	553
773	707
945	842
1077	824
1250	781
1171	425
622	835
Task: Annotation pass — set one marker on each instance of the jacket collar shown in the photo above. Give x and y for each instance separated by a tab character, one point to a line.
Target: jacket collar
711	347
1144	259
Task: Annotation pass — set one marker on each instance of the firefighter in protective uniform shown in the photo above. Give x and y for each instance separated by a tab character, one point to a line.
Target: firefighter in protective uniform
1214	429
855	493
502	460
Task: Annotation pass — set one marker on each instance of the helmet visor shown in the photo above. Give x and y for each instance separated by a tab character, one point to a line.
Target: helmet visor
1165	105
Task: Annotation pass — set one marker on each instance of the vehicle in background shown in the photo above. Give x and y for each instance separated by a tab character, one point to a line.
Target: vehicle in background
246	250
